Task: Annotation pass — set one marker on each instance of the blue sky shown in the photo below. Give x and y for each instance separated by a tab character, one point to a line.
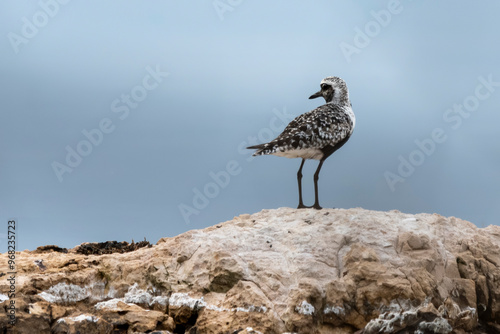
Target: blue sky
159	98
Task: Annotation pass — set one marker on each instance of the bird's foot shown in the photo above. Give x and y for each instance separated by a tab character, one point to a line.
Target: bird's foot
315	206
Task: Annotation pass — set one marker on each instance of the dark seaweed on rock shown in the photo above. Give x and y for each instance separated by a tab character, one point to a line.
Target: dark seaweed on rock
109	247
50	248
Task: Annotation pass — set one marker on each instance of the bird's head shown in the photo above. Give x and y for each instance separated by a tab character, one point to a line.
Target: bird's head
333	90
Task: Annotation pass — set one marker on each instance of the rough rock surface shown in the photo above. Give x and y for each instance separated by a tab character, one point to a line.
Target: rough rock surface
276	271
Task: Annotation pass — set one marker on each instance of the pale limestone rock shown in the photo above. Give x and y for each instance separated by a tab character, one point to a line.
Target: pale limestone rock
276	271
145	320
83	323
57	311
41	309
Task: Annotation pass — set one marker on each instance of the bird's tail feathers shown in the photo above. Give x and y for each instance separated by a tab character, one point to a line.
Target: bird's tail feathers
262	149
256	147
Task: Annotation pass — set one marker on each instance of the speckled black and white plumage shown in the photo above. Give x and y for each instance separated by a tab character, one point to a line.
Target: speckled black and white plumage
317	133
314	134
310	133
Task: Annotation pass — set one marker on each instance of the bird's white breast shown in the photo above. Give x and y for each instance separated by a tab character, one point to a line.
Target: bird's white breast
305	153
350	113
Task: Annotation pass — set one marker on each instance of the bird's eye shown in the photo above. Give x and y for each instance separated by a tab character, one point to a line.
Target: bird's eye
324	86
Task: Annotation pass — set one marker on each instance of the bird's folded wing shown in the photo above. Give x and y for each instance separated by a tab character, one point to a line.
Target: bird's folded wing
322	126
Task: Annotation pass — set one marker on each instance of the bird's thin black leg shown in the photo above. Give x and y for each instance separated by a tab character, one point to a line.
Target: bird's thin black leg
299	180
316	178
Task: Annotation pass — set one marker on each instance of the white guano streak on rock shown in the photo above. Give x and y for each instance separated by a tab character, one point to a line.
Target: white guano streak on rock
136	295
251	330
305	308
110	304
71	293
438	325
398	314
81	317
84	317
337	310
63	292
183	299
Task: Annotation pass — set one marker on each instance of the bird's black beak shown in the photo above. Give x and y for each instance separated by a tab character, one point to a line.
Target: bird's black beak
315	95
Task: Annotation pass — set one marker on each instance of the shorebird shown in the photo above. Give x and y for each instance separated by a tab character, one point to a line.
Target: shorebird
317	134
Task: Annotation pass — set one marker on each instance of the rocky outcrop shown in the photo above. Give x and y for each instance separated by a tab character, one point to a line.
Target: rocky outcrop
276	271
